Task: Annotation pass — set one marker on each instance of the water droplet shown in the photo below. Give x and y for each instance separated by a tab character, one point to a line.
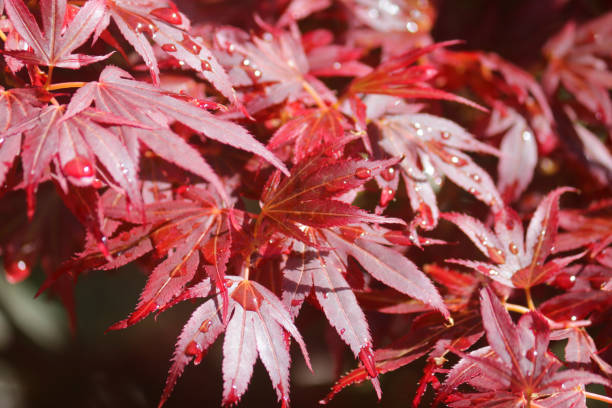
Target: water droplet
573	318
352	233
412	27
169	47
194	349
80	167
492	272
526	136
342	331
16	271
513	248
458	161
167	14
445	135
190	45
205	326
247	296
388	173
363	173
399	238
246	62
475	177
386	196
565	281
496	255
206	66
337	65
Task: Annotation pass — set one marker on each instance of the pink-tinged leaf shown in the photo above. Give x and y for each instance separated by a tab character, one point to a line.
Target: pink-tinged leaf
169	278
198	334
54	48
528	277
117	83
299	9
576	305
274	354
542	228
569	379
112	154
217	252
594	149
568	399
484	239
340	305
391	268
398	78
273	307
239	354
297	278
501	331
311	131
519	156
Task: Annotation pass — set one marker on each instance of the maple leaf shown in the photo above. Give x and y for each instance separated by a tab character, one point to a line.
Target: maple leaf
589	229
429	145
505	87
399	78
54	48
518	153
15	106
518	260
578	60
74	141
301	207
257	326
117	92
277	62
432	340
140	21
311	131
516	368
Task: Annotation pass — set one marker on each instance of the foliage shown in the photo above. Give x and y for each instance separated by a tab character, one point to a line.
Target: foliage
255	169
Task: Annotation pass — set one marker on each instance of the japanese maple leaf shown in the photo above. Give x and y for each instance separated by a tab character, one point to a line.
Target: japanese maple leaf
433	339
503	86
311	131
257	326
579	60
516	368
192	231
54	45
518	260
277	62
590	229
431	146
398	77
301	207
15	106
406	17
73	142
519	152
141	21
117	92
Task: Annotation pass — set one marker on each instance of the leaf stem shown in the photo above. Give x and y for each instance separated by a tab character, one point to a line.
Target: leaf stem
314	94
64	85
511	307
597	397
530	303
49	76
